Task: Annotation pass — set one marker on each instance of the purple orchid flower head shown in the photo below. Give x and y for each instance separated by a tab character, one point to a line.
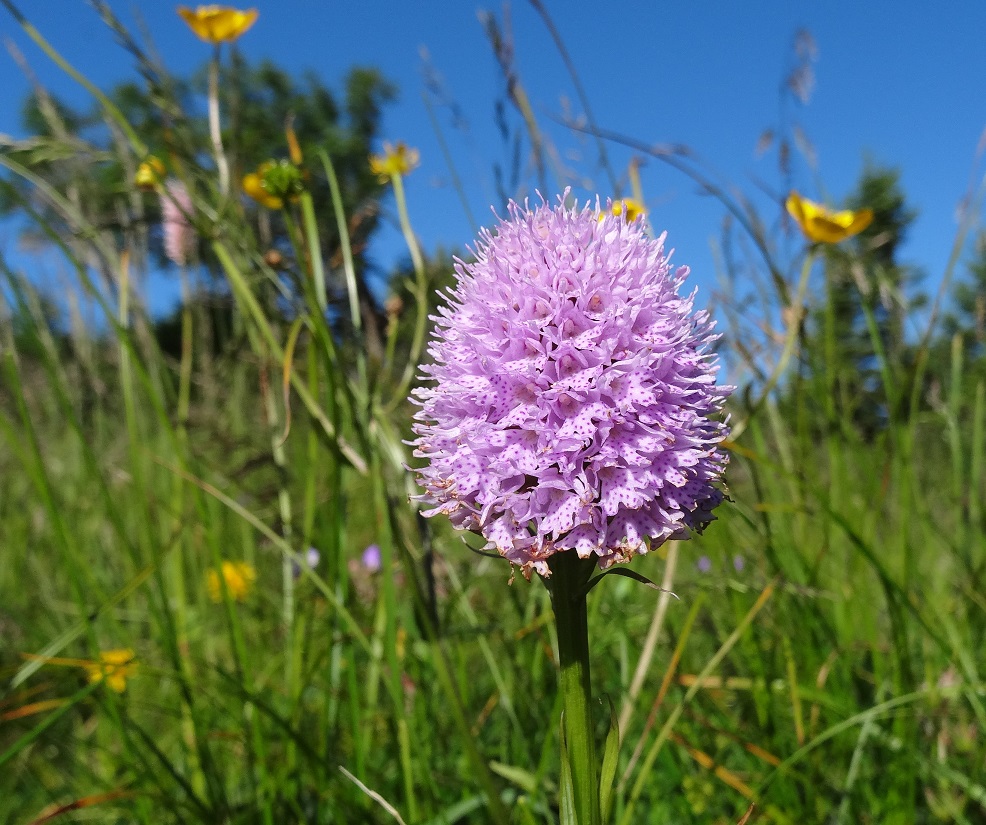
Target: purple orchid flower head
573	400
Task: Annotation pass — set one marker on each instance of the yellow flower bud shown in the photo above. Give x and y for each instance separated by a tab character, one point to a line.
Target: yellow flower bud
253	185
150	173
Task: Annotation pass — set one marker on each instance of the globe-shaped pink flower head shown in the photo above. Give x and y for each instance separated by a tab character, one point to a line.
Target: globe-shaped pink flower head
573	389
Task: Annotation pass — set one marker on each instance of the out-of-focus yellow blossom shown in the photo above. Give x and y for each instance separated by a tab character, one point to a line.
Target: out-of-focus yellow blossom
114	667
218	24
823	225
239	577
629	207
275	182
397	159
150	173
253	185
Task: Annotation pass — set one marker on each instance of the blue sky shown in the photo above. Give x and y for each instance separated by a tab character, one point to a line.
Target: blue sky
897	82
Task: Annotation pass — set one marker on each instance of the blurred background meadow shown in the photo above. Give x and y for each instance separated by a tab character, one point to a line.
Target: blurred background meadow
217	602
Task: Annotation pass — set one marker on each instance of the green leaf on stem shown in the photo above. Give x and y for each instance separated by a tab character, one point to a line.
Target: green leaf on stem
610	757
524	780
566	793
629	574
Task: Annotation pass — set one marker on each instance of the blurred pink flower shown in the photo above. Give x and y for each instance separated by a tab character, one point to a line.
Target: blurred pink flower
176	206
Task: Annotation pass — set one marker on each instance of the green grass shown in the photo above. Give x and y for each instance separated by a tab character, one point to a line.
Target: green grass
827	666
854	692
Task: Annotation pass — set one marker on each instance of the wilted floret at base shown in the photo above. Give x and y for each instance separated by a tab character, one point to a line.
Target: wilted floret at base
573	389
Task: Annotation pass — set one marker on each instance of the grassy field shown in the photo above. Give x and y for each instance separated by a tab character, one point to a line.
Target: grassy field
821	657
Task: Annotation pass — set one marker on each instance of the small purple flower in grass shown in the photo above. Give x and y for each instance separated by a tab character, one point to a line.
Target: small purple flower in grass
704	564
738	563
573	389
371	558
312	558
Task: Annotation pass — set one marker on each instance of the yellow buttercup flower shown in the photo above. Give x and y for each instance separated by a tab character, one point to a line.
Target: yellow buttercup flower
114	667
398	159
239	577
150	173
823	225
629	207
253	185
218	24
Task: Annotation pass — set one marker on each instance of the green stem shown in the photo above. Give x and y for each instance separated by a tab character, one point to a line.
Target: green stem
348	265
251	308
797	313
569	576
420	292
287	563
310	223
